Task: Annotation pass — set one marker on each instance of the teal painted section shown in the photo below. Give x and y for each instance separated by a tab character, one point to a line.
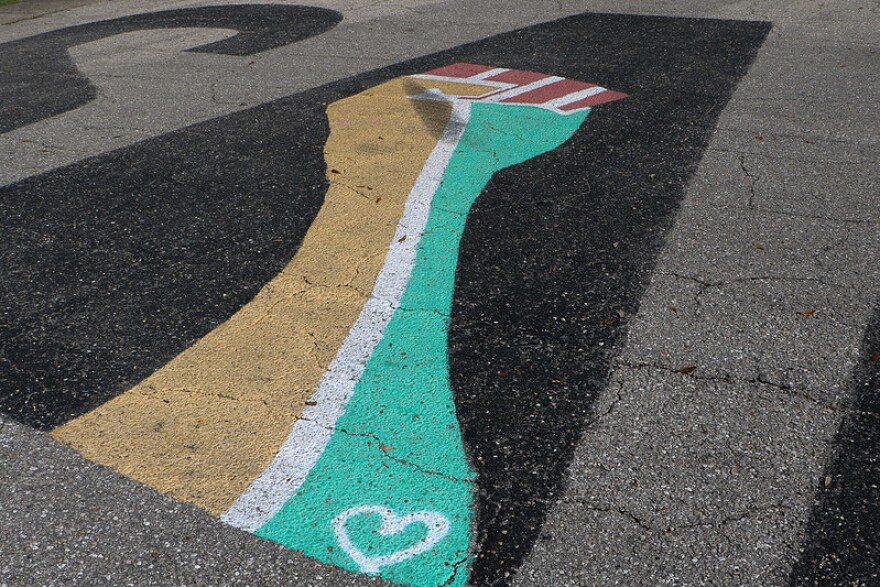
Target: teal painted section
398	445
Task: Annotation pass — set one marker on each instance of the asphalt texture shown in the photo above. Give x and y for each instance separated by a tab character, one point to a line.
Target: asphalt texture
844	542
664	355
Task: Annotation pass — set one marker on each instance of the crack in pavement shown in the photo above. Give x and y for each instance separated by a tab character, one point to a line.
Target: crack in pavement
706	285
384	452
753	180
793	159
671	529
758	379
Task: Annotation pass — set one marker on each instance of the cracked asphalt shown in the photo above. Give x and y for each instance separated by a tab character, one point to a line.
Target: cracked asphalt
731	440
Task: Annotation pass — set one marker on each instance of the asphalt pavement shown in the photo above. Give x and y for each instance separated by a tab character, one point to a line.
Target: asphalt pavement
647	347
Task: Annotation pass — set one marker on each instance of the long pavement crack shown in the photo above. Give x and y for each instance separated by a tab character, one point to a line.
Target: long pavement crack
753	180
758	379
384	452
670	528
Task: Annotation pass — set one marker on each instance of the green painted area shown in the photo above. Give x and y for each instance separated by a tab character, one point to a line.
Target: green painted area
398	445
5	2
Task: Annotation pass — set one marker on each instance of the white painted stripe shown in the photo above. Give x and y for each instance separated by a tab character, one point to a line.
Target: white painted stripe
490	73
552	79
573	97
312	431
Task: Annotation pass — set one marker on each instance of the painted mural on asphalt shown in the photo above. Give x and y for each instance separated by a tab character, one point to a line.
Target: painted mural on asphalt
381	438
374	475
368	321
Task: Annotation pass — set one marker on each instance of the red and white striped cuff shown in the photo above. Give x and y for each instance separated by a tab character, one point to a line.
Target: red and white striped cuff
516	86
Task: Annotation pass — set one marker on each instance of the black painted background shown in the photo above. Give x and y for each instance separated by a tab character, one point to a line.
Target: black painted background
115	265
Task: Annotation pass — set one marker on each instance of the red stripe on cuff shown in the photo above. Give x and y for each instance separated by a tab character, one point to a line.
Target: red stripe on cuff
549	92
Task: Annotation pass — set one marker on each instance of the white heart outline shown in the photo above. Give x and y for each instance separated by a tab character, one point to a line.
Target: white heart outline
436	523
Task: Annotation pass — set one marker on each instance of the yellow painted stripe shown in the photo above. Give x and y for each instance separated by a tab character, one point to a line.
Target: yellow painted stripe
205	425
